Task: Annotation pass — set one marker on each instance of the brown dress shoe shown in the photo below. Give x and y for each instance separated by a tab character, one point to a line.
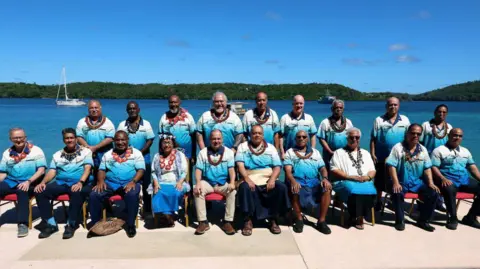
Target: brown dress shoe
228	228
202	228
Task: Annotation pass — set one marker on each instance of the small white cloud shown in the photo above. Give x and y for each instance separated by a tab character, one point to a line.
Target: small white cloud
407	59
398	46
273	16
424	15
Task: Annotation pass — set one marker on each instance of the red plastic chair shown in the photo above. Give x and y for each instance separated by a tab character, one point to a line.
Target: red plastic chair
13	198
408	195
464	196
113	199
65	198
214	197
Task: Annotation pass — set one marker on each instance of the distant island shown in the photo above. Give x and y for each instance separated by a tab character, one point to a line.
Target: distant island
469	91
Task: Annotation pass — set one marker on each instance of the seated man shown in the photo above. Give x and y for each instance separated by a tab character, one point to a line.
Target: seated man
307	181
409	168
21	165
215	165
120	171
451	164
260	194
70	169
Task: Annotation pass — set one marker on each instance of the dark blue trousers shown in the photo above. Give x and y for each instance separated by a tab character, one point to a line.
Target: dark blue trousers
146	180
450	194
263	204
130	198
427	195
52	191
22	203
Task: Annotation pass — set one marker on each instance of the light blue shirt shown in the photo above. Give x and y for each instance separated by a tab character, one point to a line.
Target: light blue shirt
230	128
410	173
23	170
429	140
183	130
120	174
387	135
453	163
215	174
268	159
140	137
270	127
305	171
289	127
70	172
335	140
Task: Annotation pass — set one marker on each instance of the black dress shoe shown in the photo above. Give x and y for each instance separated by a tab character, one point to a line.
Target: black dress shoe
131	231
452	223
323	227
49	230
69	232
298	226
400	226
471	221
426	226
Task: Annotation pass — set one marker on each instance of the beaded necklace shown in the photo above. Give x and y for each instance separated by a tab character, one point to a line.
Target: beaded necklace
409	157
434	129
260	148
303	157
335	127
131	127
70	156
18	157
358	162
167	162
210	161
95	125
180	116
123	157
222	117
258	118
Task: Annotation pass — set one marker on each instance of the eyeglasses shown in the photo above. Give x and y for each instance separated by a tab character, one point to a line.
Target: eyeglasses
354	137
302	136
18	137
415	134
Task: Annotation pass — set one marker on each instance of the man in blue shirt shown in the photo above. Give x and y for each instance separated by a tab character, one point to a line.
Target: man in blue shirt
140	136
120	171
70	171
452	166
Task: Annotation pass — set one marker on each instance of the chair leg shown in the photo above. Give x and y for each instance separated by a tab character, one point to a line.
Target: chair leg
104	214
136	221
65	212
458	205
373	216
384	203
411	207
186	210
84	213
342	215
155	220
30	218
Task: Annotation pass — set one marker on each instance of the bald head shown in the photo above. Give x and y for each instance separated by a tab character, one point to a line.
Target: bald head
94	109
261	95
216	139
392	106
261	101
455	137
297	105
298	98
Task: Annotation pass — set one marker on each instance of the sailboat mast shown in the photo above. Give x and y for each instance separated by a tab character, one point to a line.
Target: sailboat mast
65	82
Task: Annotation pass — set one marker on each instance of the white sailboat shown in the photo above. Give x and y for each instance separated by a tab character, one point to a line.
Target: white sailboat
67	101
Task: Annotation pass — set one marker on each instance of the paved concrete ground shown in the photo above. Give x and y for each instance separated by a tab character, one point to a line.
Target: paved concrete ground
379	246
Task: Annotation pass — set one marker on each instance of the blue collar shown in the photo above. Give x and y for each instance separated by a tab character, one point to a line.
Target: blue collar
385	118
257	114
416	151
448	147
141	122
307	151
293	117
220	151
13	151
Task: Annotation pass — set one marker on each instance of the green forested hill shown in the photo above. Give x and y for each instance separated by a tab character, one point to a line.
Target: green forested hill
469	91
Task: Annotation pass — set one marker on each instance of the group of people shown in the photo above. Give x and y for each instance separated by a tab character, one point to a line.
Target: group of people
242	161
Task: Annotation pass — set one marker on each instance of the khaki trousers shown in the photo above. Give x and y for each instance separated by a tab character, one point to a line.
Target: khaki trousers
206	189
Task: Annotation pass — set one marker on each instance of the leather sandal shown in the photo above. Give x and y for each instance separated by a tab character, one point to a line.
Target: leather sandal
247	228
274	229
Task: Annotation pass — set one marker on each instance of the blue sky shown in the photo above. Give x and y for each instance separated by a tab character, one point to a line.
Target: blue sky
406	46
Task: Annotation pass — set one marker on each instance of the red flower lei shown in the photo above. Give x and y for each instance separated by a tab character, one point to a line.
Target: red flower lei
168	162
94	126
20	156
182	115
122	158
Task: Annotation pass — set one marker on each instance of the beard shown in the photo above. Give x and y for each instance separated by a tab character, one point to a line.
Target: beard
174	110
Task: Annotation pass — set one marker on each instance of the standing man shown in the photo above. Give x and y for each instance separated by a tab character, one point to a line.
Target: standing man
140	136
264	116
179	123
294	121
95	132
220	118
332	131
388	130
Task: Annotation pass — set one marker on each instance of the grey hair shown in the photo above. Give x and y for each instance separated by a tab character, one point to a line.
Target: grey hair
14	129
220	93
353	129
338	101
94	101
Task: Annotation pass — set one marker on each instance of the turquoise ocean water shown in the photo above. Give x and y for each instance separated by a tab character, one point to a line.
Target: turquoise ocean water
43	120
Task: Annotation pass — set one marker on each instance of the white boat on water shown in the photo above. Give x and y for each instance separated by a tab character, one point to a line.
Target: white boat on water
67	101
237	108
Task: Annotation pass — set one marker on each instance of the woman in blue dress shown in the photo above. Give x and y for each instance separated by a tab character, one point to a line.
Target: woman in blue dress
353	172
169	170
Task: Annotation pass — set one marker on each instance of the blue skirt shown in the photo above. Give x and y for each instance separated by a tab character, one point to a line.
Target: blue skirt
167	199
345	188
